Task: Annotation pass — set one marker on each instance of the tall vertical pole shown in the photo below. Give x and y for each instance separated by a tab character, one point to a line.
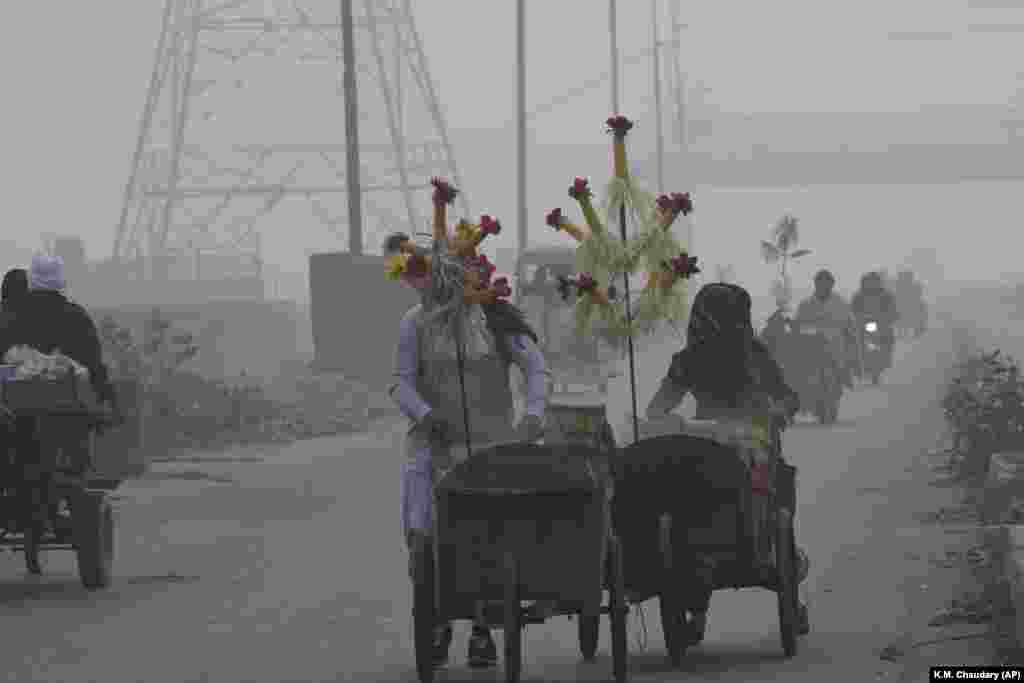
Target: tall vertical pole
349	85
613	21
521	135
659	133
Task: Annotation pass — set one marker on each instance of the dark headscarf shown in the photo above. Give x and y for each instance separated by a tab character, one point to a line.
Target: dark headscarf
720	345
505	320
15	287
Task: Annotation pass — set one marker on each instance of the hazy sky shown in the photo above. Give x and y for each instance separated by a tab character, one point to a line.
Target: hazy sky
75	81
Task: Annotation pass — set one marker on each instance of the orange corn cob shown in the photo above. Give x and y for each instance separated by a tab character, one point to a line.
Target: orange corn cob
619	152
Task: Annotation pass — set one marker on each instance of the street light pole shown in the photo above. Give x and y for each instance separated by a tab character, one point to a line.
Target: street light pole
659	135
613	34
355	207
521	135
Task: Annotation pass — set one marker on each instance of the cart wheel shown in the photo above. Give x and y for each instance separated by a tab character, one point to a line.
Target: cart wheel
589	629
513	621
618	611
785	564
93	520
32	542
424	612
672	616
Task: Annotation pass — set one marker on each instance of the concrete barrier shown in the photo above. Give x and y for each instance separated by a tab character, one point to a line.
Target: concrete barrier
1002	509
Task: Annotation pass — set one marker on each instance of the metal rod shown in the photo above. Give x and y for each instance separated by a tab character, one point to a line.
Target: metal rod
420	70
397	134
355	208
658	115
521	135
613	35
144	125
629	340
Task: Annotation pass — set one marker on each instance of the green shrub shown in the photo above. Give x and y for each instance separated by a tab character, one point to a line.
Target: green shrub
984	407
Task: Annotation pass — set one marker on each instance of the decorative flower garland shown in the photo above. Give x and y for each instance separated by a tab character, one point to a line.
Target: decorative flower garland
602	257
460	248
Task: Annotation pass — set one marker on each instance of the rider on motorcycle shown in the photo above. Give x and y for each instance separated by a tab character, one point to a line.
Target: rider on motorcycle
428	391
828	311
732	375
874	302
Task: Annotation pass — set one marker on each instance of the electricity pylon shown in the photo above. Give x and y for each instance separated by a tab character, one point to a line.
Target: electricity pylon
245	110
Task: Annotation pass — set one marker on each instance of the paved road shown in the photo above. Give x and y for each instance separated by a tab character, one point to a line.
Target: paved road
288	566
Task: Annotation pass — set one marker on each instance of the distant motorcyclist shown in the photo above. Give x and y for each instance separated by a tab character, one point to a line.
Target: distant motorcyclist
910	303
828	311
874	302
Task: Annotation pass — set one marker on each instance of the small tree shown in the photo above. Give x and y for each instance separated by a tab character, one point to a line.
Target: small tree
785	237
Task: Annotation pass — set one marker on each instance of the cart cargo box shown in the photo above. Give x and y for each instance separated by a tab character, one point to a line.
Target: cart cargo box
544	505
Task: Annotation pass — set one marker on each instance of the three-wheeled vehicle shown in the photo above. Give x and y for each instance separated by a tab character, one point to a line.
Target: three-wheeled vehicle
571	360
50	498
692	517
519	523
804	354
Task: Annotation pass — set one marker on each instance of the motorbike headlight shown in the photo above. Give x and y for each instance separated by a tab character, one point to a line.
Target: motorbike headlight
871	327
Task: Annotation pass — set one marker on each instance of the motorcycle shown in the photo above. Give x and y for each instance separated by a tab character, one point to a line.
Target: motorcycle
805	355
874	354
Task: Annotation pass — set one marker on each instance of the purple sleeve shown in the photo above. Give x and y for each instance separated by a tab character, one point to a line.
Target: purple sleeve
403	391
531	360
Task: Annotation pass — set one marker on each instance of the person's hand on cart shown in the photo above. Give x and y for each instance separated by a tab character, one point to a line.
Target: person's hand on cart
530	429
434	429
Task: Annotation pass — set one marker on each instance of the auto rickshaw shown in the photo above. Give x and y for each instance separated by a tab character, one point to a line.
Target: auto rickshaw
571	360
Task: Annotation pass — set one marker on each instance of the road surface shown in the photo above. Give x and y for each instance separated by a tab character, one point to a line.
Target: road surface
287	565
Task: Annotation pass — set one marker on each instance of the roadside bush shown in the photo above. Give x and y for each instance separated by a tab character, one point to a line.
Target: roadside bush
187	410
984	407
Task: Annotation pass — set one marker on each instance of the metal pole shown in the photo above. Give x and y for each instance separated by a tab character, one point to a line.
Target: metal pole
613	34
521	136
629	340
659	133
355	208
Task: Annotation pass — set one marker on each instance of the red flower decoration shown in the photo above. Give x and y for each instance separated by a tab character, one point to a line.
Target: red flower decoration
684	266
585	283
502	288
555	217
619	125
444	192
677	202
489	225
682	202
580	189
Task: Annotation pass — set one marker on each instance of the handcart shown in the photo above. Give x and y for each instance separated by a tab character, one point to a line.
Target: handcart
581	419
47	501
688	515
519	523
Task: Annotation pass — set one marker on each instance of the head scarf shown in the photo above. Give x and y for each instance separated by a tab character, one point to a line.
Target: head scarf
15	287
47	273
718	357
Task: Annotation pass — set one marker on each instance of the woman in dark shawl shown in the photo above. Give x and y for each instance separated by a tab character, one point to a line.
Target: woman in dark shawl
732	375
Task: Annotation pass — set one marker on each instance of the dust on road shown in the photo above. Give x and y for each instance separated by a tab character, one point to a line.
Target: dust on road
288	565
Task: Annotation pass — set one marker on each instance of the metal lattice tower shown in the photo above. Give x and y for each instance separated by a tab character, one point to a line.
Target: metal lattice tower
245	110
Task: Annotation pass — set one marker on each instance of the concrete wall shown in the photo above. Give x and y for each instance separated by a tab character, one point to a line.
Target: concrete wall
355	312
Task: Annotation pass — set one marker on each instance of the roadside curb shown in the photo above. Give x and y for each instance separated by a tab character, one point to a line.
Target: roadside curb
1004	540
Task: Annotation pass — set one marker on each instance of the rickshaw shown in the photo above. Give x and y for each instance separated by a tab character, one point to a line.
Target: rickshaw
688	513
49	499
515	523
571	360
